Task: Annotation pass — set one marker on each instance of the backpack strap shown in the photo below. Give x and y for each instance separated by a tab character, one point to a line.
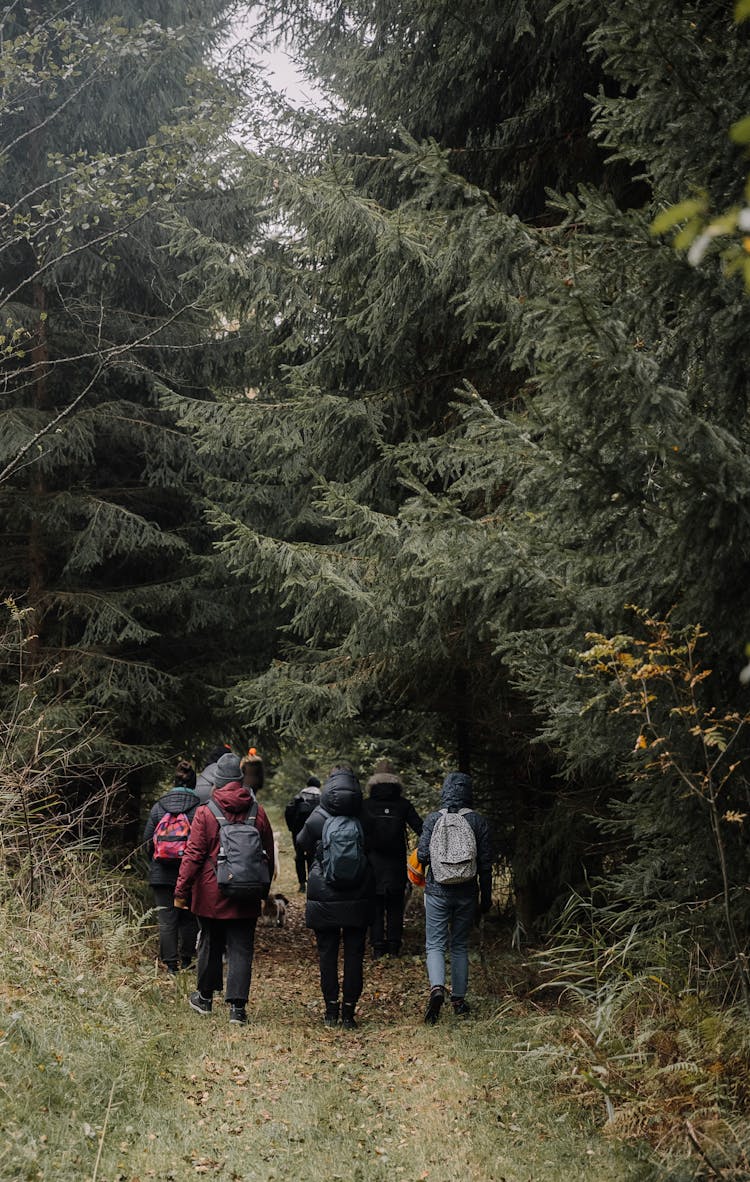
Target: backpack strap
223	819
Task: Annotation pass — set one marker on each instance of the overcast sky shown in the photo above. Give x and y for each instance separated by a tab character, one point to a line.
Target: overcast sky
282	73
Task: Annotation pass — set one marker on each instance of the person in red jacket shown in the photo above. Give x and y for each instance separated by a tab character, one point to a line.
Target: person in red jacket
227	925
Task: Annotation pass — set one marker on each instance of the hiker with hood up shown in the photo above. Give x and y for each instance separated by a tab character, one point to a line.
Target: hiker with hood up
338	914
205	782
450	907
178	929
385	816
296	813
227	925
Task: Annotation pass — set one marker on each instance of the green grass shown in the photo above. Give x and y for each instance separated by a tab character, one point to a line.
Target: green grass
107	1075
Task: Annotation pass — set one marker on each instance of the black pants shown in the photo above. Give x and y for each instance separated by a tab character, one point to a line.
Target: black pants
388	922
302	863
329	940
236	938
178	930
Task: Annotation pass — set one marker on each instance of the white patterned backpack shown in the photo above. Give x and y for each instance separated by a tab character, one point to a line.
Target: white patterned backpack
453	849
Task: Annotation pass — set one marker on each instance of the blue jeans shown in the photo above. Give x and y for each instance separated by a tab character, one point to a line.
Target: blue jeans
448	923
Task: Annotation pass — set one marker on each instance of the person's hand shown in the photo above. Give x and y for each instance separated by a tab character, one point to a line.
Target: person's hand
181	903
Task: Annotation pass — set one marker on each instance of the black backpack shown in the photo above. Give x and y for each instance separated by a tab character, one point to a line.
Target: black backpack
298	810
242	869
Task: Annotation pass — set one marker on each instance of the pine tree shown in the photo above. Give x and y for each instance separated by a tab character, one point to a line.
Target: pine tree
498	423
115	141
401	254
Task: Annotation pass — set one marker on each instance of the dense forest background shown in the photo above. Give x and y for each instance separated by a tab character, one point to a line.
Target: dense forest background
389	427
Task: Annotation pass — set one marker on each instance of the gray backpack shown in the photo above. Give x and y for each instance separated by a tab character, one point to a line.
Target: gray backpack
453	849
242	869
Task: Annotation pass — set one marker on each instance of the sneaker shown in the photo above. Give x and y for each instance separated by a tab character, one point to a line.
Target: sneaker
201	1004
434	1005
460	1007
347	1016
238	1014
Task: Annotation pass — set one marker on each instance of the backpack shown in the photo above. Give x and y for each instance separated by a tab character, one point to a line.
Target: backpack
242	869
306	804
171	837
415	870
453	849
344	861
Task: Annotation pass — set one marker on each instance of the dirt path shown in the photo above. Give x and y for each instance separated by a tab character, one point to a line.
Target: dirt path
286	1098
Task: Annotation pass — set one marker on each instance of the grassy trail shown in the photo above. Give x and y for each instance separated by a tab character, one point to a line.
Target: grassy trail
285	1098
107	1075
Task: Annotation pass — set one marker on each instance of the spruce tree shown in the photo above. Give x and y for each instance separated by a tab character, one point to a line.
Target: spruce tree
498	422
373	319
114	142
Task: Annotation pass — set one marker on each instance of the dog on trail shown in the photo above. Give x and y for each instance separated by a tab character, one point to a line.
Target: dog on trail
275	909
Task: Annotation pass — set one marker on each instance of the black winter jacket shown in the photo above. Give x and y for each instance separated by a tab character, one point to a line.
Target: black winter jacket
455	795
177	800
385	815
327	906
300	807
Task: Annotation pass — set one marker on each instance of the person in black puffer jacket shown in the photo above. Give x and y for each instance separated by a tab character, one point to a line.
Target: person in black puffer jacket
178	930
385	815
332	912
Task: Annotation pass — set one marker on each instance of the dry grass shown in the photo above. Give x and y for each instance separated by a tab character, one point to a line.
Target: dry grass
108	1076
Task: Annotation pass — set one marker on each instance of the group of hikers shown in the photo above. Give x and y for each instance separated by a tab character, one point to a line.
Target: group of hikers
212	858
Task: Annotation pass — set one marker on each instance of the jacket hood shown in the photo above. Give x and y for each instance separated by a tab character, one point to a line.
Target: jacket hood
342	794
179	800
205	782
384	786
456	791
233	797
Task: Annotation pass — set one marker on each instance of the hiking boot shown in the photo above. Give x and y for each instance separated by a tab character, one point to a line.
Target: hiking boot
238	1015
199	1003
435	1004
347	1015
460	1007
332	1013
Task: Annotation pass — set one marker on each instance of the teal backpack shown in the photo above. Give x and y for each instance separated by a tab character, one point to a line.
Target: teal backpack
344	861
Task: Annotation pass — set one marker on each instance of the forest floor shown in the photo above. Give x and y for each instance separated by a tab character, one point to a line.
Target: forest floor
285	1098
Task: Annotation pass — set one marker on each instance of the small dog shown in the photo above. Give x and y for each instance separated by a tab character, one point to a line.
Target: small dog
274	910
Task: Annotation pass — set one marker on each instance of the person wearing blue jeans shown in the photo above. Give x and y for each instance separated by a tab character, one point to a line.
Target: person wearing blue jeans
450	908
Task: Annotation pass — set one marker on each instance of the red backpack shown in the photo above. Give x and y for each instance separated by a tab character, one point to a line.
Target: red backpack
171	837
